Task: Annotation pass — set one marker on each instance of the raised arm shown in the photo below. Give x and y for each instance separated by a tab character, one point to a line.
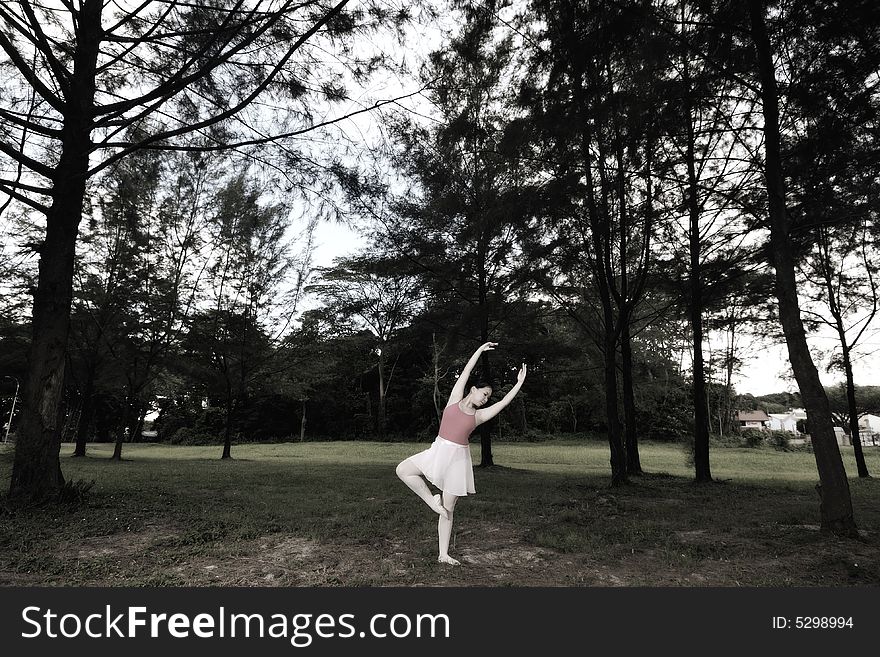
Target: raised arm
458	390
486	414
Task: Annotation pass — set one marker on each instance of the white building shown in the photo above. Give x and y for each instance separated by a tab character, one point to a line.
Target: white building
783	422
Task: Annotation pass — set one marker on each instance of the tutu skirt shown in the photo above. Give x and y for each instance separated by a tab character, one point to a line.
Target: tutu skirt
448	466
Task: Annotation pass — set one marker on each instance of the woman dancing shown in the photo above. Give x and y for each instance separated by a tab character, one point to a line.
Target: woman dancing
447	463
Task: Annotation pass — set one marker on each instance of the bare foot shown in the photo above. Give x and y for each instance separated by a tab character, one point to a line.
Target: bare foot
445	558
439	508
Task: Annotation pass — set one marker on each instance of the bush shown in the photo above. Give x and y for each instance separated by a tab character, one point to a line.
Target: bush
530	435
192	436
753	437
781	440
173	416
73	493
727	440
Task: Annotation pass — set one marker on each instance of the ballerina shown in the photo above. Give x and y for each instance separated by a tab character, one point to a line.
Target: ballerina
447	462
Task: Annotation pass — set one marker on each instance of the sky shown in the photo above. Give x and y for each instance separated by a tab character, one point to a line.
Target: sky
768	369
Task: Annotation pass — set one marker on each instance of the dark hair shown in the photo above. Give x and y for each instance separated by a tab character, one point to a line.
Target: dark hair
481	382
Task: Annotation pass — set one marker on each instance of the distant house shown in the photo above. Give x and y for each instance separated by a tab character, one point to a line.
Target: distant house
869	430
784	422
752	419
869	426
870	422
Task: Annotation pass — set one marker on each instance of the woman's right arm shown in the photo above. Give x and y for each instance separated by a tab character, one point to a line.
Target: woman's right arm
458	391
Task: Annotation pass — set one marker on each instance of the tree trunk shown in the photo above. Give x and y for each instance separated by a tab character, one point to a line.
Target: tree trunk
302	424
730	355
624	303
85	421
486	458
835	502
702	468
122	430
436	393
227	434
600	230
36	470
633	462
381	414
615	431
138	428
853	414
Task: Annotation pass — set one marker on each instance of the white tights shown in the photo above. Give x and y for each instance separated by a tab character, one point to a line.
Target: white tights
412	477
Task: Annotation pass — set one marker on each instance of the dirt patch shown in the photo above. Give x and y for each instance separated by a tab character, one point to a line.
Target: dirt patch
497	549
271	560
123	544
496	554
490	555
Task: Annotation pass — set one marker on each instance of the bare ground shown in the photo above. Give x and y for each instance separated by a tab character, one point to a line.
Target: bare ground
491	554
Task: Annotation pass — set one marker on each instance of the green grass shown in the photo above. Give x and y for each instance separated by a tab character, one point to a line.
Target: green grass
333	513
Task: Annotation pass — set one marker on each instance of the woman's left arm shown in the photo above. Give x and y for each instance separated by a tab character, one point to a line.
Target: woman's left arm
486	414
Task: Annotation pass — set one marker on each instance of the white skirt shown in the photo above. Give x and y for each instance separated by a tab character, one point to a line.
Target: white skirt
448	466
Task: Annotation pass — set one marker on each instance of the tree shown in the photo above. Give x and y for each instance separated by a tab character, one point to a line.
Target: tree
171	69
836	503
831	149
137	276
244	277
309	357
109	275
457	225
741	305
367	289
867	403
844	282
592	98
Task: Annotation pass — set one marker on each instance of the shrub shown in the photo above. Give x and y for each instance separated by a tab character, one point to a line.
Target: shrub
727	440
780	440
753	437
73	493
192	436
530	435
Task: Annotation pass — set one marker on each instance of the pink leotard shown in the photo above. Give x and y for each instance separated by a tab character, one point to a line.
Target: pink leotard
456	425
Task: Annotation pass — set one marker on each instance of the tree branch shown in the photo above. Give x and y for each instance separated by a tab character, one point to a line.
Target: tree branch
62	75
251	142
24	199
29	162
16	184
47	94
12	117
178	81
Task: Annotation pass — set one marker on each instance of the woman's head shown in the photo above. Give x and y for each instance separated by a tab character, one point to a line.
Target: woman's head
479	392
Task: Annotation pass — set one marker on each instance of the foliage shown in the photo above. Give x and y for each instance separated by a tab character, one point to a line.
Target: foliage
780	440
754	437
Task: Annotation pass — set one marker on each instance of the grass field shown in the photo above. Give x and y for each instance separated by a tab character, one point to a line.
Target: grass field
334	514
